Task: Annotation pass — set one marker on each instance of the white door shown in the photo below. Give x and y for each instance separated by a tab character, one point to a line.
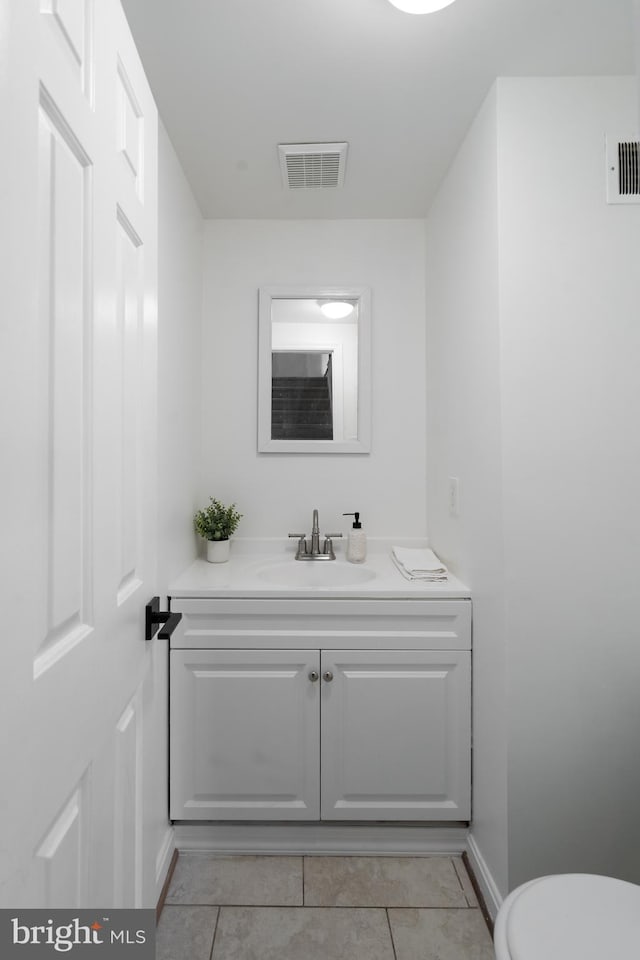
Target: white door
78	438
396	735
245	735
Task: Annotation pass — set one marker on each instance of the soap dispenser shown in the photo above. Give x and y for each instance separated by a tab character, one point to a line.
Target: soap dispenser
357	541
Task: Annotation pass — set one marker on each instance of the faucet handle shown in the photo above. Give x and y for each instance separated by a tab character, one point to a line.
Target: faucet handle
302	544
327	547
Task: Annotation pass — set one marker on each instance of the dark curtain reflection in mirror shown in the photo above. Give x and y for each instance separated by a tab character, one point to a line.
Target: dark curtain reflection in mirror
301	395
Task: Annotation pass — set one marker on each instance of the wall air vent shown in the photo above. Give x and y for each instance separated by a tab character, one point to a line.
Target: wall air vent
312	166
623	170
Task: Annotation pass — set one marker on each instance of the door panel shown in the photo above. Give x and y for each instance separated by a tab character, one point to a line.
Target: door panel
71	27
127	833
64	267
129	317
62	858
130	130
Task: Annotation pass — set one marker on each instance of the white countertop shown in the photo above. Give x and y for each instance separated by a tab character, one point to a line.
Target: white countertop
260	568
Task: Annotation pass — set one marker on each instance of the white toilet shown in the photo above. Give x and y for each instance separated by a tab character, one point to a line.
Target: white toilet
574	916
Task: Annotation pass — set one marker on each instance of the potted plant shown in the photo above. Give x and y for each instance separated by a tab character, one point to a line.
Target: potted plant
215	524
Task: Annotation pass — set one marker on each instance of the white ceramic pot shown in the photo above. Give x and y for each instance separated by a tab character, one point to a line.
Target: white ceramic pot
218	550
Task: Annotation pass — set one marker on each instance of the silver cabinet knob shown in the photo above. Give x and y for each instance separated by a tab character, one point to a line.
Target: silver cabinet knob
328	676
313	676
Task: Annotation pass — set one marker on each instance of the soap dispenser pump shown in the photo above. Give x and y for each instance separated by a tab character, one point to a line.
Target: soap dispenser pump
357	541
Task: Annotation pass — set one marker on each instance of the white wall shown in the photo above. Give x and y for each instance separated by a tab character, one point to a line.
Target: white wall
179	348
570	341
463	392
277	492
180	228
534	349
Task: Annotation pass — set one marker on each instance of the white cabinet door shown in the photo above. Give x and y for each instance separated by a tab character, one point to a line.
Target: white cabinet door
245	735
395	735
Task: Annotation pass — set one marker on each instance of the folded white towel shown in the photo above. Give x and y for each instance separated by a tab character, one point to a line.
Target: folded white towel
418	564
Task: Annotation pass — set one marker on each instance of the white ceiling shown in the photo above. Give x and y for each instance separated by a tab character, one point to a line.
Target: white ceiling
233	78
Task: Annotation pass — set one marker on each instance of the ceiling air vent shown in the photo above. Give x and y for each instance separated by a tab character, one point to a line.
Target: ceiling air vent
312	166
623	170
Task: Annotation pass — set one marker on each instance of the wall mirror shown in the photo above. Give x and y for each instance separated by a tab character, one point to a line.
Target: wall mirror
314	370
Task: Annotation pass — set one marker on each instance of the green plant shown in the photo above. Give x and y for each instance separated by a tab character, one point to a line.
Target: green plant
217	522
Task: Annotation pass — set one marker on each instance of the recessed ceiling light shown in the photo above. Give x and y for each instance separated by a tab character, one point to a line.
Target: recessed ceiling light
420	6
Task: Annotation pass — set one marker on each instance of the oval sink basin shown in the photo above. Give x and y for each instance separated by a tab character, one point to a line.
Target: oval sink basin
314	573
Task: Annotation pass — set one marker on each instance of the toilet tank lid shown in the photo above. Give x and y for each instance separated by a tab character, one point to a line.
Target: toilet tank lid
577	916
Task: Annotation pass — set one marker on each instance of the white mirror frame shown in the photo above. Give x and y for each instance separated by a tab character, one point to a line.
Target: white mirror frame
265	443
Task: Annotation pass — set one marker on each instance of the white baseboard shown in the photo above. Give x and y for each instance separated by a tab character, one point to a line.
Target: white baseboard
163	860
320	838
326	839
490	893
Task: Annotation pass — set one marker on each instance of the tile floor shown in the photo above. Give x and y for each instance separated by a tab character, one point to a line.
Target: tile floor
321	908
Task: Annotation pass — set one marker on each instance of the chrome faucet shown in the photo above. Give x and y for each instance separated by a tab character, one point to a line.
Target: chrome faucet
310	549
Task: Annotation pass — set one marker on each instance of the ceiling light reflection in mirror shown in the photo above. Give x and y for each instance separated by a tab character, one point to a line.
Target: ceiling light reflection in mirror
420	6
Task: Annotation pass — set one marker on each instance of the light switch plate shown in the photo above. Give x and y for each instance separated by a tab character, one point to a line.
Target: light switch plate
453	495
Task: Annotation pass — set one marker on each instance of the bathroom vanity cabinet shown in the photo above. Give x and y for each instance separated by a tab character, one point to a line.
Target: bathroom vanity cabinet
324	709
